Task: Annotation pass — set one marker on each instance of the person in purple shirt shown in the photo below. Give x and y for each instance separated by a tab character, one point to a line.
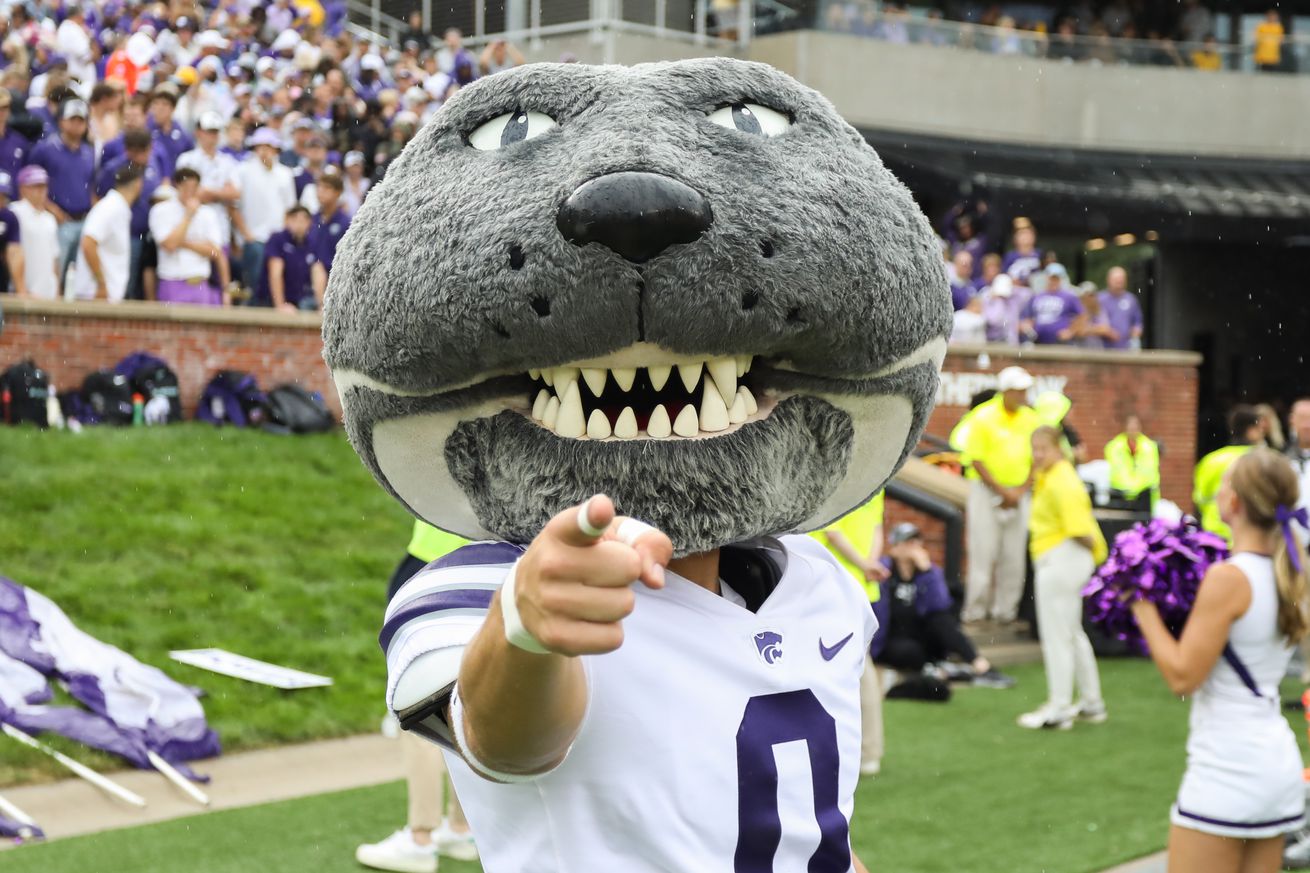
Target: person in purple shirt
171	139
14	147
1054	314
1096	332
963	288
1025	258
138	148
917	623
332	220
70	163
293	278
1123	310
11	239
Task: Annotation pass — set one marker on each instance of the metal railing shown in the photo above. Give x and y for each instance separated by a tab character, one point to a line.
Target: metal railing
894	24
530	21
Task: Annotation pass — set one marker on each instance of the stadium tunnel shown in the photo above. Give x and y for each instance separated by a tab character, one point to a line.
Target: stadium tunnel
1225	236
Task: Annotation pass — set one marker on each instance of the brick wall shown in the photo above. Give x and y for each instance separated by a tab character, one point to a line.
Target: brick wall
70	340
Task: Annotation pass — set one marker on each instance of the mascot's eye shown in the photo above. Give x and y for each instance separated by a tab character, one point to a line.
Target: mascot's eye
507	129
751	118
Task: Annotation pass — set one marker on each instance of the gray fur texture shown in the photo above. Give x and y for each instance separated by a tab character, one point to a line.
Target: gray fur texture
840	268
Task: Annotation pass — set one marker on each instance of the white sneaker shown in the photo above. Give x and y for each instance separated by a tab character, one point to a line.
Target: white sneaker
454	844
1046	718
871	768
1093	713
399	854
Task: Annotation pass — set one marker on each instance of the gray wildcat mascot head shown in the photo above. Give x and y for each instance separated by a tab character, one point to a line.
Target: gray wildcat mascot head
689	285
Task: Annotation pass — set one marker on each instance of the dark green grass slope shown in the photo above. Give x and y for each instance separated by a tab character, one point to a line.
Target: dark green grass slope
185	537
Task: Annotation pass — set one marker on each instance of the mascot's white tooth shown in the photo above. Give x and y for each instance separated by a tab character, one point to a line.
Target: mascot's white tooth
724	373
737	412
532	374
659	376
624	377
687	425
713	411
551	413
690	375
626	426
749	399
548	374
598	426
659	427
595	380
743	365
570	422
539	405
564	377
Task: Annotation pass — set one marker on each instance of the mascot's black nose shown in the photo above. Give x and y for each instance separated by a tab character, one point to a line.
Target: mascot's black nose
637	215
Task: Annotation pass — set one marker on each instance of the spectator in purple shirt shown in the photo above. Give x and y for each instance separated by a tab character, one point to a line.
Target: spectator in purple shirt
1054	314
1122	309
1025	258
332	220
1003	304
170	138
70	163
293	277
1096	332
963	288
13	145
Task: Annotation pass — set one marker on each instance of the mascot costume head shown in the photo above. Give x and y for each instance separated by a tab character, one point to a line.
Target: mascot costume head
691	286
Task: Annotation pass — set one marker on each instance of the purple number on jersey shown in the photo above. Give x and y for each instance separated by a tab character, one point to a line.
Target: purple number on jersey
771	719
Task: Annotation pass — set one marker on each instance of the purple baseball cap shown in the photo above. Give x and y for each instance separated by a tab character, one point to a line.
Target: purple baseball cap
33	174
266	136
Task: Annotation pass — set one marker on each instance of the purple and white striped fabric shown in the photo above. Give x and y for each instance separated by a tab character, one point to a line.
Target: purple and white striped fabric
131	708
443	605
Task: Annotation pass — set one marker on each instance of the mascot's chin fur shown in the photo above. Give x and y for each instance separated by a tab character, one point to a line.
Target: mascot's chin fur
688	285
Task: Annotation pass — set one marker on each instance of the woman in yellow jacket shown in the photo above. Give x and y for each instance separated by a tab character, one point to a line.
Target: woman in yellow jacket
1066	545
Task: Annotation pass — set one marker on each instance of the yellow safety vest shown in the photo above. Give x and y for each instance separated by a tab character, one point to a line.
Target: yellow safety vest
859	527
1209	476
1134	472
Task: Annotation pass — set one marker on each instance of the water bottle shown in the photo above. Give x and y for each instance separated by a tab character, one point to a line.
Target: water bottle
138	410
53	414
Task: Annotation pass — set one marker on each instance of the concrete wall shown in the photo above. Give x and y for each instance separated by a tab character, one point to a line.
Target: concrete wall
616	47
973	95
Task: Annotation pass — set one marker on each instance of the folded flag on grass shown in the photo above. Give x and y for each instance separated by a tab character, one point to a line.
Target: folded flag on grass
1160	561
131	708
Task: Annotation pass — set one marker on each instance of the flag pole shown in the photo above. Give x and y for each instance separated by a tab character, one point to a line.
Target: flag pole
104	783
28	826
171	774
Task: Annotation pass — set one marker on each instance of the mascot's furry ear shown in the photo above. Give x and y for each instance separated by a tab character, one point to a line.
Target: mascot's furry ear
690	285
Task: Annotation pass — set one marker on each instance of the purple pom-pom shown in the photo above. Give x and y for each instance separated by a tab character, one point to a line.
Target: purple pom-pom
1159	561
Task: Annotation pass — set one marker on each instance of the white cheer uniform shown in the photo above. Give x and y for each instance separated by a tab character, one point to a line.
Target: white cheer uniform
716	738
1243	774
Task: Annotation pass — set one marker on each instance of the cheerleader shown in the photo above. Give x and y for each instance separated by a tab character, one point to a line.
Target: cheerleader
1243	789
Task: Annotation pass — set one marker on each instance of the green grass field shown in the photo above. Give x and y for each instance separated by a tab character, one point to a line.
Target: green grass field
155	539
963	789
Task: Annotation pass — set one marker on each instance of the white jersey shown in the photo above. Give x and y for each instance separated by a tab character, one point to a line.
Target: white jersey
716	738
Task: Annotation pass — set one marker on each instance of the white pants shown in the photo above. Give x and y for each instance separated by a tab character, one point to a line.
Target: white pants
425	779
998	543
871	745
1066	652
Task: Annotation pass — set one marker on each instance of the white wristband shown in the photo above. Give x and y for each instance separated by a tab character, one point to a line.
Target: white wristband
515	632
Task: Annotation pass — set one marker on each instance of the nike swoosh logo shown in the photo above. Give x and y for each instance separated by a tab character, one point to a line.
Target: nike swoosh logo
830	652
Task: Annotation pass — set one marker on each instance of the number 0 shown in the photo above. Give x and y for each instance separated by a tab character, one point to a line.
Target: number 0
771	719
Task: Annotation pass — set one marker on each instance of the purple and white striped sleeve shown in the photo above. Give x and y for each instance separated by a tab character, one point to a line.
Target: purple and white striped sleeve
435	615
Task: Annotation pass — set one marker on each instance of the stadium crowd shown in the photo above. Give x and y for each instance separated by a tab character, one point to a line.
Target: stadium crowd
202	153
1106	32
1024	297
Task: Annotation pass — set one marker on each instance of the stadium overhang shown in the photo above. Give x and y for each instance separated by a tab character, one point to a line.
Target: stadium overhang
1183	198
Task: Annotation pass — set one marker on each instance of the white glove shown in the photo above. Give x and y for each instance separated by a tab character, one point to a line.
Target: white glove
156	411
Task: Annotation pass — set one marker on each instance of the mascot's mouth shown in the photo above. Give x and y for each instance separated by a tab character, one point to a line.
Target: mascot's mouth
678	397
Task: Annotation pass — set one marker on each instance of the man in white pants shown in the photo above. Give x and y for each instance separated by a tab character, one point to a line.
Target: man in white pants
999	452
